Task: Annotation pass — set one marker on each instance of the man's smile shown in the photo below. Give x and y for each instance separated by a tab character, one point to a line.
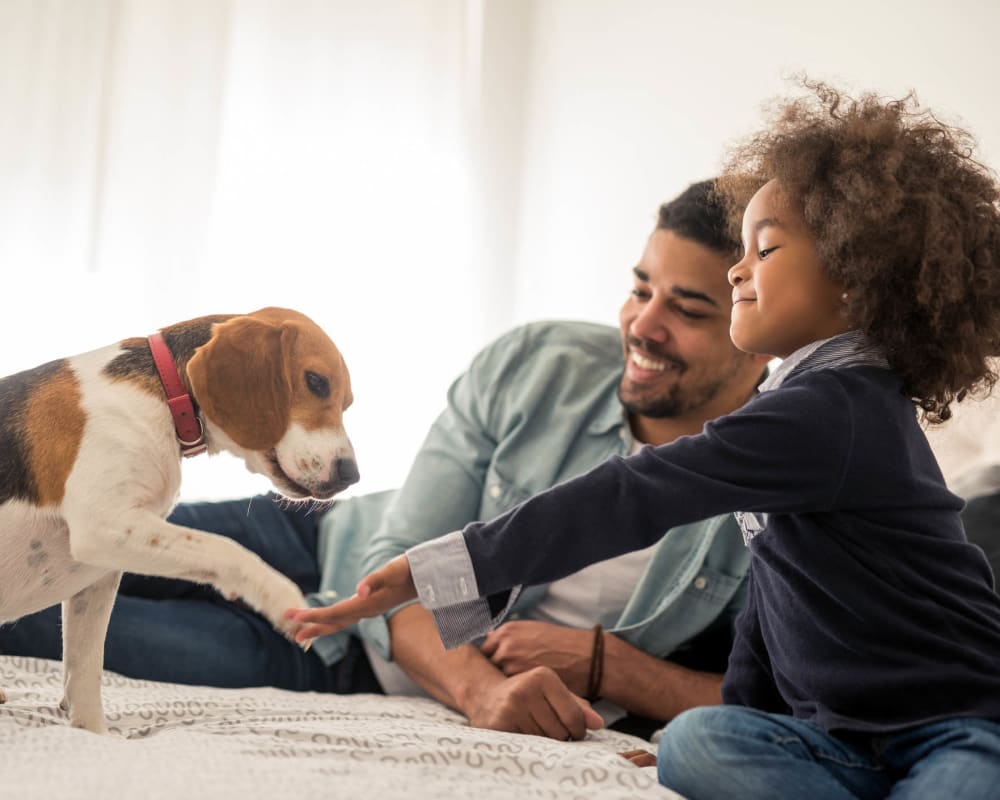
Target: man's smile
644	362
643	366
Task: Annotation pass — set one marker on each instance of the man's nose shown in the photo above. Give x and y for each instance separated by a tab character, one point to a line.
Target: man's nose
650	323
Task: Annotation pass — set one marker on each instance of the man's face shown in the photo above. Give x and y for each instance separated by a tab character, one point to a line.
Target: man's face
679	359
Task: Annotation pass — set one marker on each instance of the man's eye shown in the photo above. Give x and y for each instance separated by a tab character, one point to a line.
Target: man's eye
640	294
690	314
762	254
317	384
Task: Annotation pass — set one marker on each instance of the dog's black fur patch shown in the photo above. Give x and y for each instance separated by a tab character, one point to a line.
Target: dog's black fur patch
183	339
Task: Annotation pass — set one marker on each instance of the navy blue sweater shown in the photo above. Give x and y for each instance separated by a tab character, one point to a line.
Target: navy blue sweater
867	610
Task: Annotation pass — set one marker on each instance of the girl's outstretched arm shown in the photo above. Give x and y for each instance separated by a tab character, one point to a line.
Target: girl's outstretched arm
377	592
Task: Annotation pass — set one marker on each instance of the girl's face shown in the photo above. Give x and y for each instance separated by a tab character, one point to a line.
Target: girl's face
782	299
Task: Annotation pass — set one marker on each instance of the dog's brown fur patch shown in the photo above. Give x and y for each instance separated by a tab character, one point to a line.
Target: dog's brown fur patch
53	424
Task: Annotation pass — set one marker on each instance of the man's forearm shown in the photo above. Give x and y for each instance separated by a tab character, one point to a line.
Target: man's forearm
645	685
535	702
450	676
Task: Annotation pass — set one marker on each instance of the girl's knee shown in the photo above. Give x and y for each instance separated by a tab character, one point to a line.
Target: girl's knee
696	724
685	746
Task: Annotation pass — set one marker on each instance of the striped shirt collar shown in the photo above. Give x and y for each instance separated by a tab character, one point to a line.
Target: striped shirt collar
851	349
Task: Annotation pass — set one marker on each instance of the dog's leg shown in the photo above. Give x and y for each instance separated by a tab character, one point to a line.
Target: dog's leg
85	622
142	542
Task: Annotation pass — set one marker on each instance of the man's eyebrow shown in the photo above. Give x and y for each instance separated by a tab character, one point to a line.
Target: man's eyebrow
680	291
692	294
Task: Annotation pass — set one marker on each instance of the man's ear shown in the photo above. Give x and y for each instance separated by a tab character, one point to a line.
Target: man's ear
240	380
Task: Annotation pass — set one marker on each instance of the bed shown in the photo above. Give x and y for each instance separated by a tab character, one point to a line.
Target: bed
170	741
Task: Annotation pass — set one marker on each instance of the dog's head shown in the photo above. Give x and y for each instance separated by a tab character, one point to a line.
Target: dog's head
273	389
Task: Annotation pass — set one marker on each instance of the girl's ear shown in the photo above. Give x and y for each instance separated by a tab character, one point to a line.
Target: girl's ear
845	303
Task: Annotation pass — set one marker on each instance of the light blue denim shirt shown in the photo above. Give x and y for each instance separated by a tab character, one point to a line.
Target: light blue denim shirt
537	407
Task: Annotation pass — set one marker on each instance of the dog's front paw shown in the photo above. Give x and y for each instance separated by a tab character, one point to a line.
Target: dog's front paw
272	595
289	597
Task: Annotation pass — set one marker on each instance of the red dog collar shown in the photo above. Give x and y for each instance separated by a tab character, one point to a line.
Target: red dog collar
190	433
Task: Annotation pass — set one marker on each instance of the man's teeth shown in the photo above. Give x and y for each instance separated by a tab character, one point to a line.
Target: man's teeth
647	363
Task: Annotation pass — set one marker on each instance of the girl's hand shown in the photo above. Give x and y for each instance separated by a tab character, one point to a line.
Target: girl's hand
378	592
641	758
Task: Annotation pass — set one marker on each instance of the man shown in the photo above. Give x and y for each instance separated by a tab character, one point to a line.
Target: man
541	405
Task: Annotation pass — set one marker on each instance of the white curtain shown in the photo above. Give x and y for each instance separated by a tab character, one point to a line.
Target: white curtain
162	159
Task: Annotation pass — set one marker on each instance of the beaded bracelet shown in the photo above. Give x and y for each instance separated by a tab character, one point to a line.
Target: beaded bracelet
596	665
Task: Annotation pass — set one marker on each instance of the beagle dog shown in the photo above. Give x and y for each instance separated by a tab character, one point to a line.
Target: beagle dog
90	466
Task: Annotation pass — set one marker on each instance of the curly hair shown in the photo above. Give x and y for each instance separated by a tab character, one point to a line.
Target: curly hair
903	217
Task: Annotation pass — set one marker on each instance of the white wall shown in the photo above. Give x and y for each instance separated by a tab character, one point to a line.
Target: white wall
521	150
630	100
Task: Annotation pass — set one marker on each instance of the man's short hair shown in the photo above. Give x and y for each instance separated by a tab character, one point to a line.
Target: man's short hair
699	214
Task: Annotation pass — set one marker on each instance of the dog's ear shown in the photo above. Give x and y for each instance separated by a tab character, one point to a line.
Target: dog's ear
241	380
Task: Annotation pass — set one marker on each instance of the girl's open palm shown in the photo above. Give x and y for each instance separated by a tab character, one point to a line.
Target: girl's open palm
377	592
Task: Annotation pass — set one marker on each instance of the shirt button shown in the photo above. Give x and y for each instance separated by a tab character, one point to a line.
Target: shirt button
495	491
700	582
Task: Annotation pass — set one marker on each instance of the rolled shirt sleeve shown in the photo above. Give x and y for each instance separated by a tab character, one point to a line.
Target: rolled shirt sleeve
446	585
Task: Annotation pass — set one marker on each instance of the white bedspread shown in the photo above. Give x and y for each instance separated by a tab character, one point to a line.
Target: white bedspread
170	741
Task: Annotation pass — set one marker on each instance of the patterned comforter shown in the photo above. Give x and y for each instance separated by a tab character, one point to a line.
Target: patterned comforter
170	741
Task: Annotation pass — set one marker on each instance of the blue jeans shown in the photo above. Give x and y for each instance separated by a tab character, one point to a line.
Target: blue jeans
728	751
173	630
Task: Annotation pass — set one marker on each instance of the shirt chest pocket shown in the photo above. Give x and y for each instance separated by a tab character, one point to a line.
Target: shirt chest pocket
500	494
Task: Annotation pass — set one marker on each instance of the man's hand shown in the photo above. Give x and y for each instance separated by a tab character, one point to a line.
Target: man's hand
377	592
519	646
637	681
535	702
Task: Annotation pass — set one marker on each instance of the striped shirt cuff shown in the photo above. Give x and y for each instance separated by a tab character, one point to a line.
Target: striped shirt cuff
446	585
442	571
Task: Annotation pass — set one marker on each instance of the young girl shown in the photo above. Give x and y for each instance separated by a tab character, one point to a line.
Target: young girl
867	660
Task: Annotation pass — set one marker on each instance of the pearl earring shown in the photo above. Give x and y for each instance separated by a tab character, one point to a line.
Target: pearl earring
843	297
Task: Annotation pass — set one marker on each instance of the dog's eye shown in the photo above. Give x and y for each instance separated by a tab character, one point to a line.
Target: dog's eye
317	384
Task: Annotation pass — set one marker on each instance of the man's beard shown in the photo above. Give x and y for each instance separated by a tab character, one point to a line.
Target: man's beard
677	400
671	404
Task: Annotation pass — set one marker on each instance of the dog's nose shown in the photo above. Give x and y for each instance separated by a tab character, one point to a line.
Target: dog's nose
346	472
343	472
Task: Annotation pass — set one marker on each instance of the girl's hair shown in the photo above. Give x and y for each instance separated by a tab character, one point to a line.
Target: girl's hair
904	218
